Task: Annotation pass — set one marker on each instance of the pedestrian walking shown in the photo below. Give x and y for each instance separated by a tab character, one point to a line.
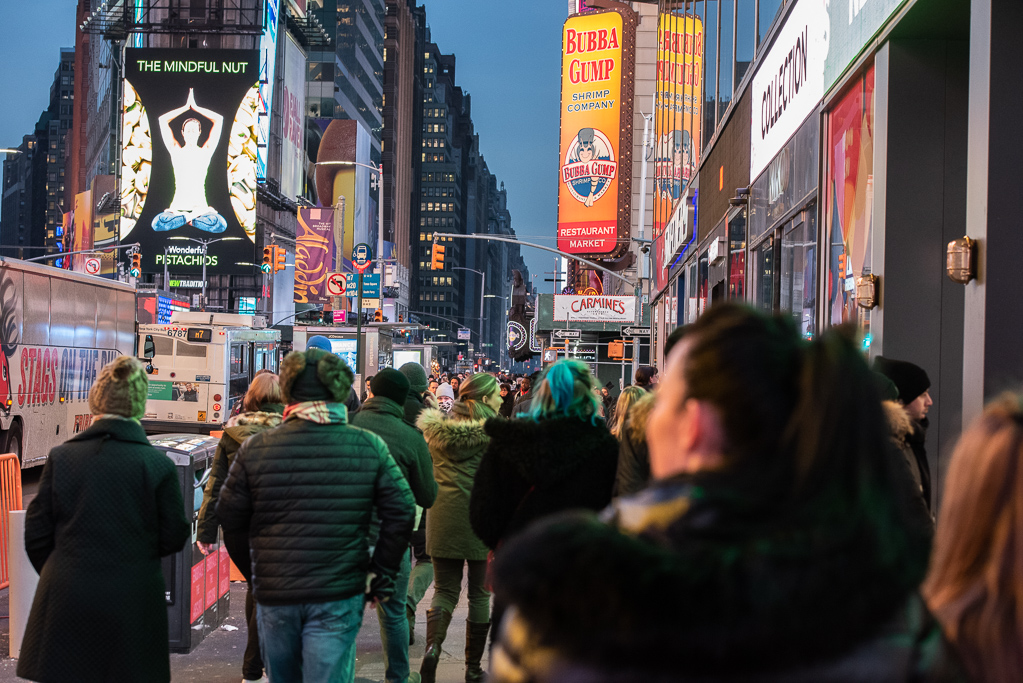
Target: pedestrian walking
608	402
383	414
107	509
306	491
457	442
782	541
629	427
975	583
913	384
523	402
418	396
445	397
646	377
507	401
263	408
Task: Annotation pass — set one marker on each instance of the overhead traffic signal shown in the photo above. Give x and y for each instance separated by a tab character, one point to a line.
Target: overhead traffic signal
268	260
437	257
378	316
136	265
280	258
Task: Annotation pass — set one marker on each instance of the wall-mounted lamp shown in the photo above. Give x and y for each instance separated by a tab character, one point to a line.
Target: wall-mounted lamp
961	260
867	291
741	197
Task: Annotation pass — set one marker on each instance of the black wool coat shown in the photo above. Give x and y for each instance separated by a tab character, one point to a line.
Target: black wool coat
109	507
534	468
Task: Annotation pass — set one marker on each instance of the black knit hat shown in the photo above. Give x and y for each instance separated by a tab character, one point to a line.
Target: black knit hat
391	384
911	380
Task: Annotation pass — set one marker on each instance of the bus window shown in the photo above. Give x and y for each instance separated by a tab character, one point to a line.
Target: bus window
164	345
239	381
238	359
191	355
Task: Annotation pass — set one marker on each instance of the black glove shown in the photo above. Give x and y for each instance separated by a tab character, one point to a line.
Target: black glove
380	588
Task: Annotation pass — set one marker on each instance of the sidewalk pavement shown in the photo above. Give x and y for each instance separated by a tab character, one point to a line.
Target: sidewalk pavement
218	659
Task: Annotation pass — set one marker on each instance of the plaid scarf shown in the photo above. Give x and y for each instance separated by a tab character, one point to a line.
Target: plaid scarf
320	412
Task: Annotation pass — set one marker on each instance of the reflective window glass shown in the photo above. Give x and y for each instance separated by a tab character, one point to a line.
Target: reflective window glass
769	9
725	63
745	27
799	272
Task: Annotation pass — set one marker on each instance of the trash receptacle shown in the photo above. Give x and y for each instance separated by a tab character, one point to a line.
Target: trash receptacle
198	586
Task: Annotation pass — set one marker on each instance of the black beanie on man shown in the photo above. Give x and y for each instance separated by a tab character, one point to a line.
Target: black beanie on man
389	383
911	380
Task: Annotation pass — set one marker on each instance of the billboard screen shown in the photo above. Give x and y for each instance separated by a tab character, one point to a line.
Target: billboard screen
678	96
293	121
267	73
188	157
595	159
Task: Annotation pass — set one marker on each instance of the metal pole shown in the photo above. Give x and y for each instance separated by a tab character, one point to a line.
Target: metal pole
483	290
380	221
202	307
358	333
166	282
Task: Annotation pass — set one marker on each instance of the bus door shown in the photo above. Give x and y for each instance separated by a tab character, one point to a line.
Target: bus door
239	373
264	357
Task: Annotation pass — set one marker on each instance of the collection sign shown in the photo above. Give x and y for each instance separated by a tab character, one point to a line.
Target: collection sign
789	83
594	309
595	183
188	157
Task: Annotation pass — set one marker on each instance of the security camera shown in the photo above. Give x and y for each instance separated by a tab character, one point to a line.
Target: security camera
645	249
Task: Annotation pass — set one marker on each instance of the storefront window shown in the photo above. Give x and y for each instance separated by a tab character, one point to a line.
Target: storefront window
703	283
799	272
849	195
764	275
737	256
692	289
787	181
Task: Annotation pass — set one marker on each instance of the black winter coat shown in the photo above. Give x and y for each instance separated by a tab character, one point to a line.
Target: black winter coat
307	493
534	468
414	406
108	508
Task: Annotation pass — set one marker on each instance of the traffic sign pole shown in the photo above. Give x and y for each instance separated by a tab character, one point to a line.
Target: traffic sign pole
358	335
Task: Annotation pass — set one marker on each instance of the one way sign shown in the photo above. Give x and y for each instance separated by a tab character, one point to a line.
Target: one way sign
566	334
636	331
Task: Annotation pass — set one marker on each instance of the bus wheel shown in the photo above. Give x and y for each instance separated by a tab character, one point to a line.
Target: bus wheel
13	442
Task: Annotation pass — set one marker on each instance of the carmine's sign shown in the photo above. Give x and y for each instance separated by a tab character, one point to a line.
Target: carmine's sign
594	309
594	184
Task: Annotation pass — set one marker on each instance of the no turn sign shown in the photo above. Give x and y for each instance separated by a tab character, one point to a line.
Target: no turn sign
92	265
336	284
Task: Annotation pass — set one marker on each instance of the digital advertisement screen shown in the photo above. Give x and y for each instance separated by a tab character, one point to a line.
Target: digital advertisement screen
402	357
344	349
188	157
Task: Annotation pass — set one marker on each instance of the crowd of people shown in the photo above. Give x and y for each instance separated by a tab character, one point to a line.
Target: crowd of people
760	510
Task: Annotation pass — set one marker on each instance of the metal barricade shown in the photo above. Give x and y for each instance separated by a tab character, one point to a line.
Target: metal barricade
10	499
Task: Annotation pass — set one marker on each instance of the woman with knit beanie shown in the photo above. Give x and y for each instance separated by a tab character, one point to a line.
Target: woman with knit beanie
108	508
457	442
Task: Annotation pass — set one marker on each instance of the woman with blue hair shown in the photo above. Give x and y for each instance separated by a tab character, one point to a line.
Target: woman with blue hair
559	456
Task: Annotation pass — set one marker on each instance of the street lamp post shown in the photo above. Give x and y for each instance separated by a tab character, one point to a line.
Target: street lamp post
483	287
205	245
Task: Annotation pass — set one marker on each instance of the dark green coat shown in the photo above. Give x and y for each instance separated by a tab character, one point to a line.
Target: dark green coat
456	446
108	508
236	430
385	418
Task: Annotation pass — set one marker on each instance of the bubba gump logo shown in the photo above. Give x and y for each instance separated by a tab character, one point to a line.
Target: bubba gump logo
589	166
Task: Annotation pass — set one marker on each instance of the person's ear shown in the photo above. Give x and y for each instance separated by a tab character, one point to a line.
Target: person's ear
702	433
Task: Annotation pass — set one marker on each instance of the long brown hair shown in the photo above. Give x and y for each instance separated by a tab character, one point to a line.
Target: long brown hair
975	584
471	393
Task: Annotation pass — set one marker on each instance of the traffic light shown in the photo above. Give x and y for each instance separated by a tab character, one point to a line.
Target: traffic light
280	256
437	257
378	317
268	260
616	349
136	265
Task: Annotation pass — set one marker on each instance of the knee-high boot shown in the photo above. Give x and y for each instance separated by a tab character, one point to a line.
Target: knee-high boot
475	645
437	622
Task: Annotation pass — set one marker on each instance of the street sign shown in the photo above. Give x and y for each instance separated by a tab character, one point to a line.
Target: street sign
336	284
92	265
370	286
636	331
558	335
362	254
370	303
464	334
340	316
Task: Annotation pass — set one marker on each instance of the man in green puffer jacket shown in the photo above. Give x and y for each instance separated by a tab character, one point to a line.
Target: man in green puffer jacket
383	415
307	491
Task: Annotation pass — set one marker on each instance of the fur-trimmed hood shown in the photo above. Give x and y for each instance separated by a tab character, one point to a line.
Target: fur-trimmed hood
244	425
460	439
898	419
545	451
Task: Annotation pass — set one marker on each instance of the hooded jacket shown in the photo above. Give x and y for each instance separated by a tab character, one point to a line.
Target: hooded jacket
695	585
236	431
633	454
456	447
536	467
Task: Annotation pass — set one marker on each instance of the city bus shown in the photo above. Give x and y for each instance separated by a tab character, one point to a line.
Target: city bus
57	330
200	366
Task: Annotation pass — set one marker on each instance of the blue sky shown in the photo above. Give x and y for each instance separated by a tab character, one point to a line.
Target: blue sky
508	59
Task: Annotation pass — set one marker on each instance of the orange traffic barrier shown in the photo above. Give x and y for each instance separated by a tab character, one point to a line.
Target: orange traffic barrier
10	499
218	433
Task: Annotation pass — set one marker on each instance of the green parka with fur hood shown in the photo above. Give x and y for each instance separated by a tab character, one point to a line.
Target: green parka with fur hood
236	430
456	446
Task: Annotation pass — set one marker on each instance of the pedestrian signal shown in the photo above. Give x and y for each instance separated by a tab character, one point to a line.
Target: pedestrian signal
437	257
136	265
378	316
268	260
616	349
280	258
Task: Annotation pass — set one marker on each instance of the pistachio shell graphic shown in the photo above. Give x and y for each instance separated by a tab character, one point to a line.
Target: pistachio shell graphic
136	159
241	162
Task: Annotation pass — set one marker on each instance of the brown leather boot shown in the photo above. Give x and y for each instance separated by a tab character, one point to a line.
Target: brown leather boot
410	614
475	645
437	622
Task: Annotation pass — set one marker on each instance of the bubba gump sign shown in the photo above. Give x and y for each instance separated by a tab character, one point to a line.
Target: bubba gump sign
595	159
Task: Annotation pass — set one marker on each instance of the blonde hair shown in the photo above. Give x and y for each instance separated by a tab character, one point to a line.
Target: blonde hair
975	583
626	400
265	388
471	393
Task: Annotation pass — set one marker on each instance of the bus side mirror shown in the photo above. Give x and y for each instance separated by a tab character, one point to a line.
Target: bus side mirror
149	347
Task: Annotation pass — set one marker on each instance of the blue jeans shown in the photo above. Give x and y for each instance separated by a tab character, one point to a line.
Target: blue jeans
310	643
394	626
